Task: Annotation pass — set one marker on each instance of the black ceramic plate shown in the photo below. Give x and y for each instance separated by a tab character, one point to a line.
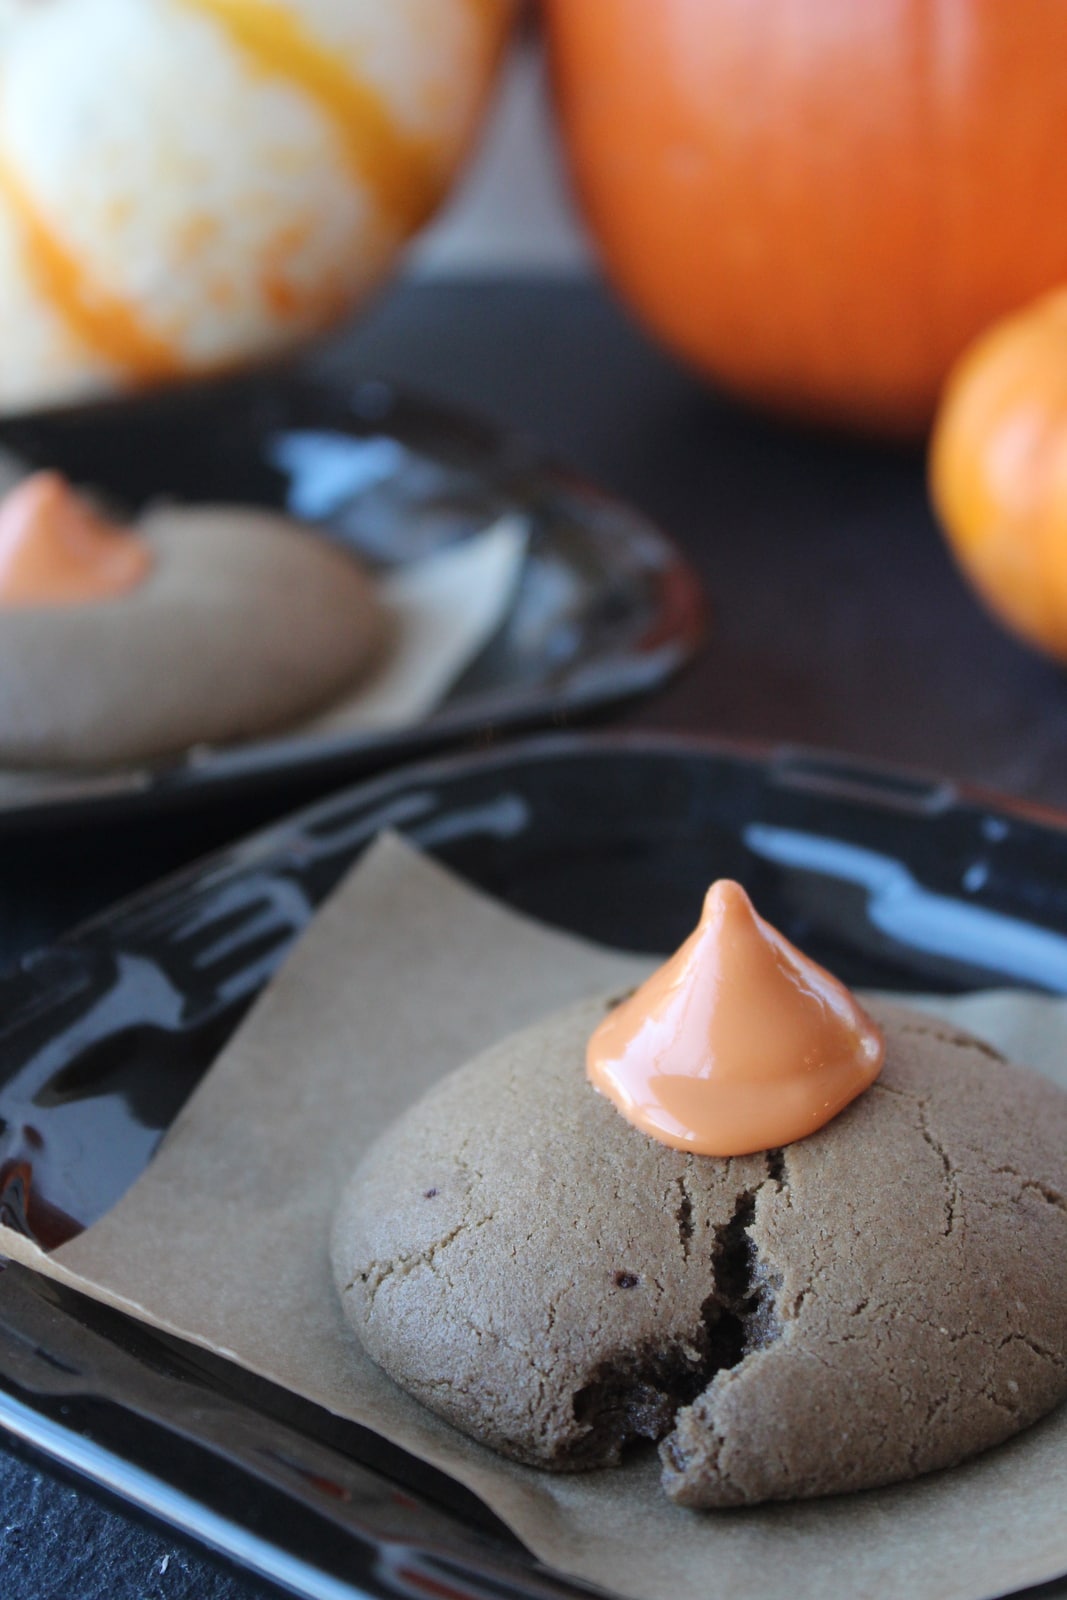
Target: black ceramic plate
889	880
606	607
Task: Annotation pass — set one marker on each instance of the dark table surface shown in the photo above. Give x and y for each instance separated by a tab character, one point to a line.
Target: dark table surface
838	621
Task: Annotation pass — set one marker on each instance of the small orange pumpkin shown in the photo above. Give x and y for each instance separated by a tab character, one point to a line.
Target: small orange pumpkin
998	471
820	202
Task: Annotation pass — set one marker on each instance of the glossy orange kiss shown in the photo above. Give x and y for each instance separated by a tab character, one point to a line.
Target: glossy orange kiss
738	1043
55	550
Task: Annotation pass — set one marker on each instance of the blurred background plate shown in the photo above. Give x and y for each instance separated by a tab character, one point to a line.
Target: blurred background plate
606	608
890	879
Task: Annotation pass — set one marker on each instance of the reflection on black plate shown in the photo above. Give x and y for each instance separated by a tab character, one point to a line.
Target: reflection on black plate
606	607
889	880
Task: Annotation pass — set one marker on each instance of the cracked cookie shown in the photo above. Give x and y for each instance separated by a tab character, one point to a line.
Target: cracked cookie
883	1298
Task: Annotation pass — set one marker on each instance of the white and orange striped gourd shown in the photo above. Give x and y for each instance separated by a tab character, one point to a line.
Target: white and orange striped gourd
189	184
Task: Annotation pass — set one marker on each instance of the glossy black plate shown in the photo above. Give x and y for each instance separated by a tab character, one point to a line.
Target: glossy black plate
890	880
606	608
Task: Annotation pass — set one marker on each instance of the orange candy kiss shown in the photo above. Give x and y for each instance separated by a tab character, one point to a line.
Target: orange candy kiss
55	550
738	1043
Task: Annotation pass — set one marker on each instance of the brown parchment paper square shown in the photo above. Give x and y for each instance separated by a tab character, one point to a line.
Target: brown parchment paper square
404	974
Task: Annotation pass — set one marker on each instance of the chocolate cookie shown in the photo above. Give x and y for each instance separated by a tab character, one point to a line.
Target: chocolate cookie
247	624
881	1299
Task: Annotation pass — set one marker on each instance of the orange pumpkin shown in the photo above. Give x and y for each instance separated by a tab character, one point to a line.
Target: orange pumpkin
820	202
998	471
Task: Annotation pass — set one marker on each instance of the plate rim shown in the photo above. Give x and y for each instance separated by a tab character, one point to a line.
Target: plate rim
876	781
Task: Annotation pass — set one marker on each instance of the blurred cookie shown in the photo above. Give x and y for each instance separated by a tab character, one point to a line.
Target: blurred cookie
886	1297
246	624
